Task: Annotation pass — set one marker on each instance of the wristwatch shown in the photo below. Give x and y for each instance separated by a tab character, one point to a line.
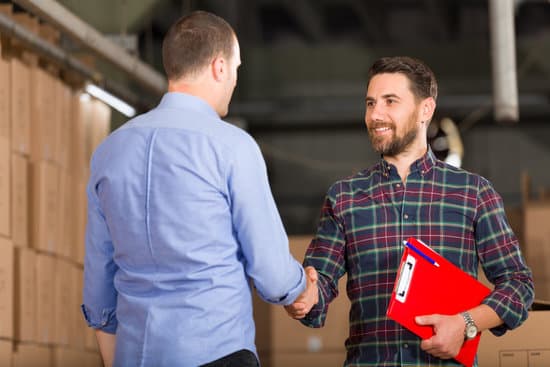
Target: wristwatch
470	331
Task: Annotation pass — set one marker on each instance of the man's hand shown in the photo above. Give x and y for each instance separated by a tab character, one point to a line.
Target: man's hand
305	301
448	335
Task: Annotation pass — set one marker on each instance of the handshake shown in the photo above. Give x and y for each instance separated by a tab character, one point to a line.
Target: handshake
305	301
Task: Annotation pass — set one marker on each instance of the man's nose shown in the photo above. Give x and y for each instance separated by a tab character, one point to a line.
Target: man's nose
376	112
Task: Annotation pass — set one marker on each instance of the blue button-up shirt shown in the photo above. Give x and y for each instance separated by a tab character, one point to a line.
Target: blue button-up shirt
180	217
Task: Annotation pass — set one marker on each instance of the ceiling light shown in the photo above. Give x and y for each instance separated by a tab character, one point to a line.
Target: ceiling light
111	100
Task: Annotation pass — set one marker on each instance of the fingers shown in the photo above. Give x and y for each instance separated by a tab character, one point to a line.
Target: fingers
437	348
310	297
427	319
448	335
297	310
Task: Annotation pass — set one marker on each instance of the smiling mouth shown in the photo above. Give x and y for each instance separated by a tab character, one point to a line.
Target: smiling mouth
381	129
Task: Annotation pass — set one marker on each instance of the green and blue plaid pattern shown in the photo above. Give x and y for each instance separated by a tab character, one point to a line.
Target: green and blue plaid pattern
365	219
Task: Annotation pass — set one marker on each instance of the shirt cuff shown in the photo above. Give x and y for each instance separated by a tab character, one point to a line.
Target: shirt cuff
107	322
291	296
316	316
510	321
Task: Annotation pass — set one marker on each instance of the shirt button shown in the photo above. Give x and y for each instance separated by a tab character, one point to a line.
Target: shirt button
405	345
398	185
406	216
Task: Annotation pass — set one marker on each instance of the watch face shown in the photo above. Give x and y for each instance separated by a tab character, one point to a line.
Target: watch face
471	332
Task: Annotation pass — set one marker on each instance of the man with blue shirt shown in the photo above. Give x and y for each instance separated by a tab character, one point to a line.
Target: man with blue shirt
181	217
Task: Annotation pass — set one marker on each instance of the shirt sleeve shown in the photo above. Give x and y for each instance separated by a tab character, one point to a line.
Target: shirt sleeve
326	254
502	261
99	294
277	276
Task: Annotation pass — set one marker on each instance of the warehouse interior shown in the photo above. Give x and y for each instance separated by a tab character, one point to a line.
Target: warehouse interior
300	94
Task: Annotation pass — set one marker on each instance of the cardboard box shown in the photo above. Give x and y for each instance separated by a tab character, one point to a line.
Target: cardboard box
44	125
100	125
6	288
25	295
45	268
44	198
64	305
5	99
26	20
81	213
5	188
20	106
20	200
526	346
29	355
92	359
6	348
65	357
77	326
49	33
68	357
79	156
537	246
277	332
64	116
302	359
67	219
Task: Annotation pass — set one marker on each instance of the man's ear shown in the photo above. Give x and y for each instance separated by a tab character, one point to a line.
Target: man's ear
427	109
218	68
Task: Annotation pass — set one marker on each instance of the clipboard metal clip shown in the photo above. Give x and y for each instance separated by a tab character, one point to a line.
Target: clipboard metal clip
405	277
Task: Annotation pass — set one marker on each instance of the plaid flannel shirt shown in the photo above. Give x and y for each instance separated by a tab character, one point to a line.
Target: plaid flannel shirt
363	222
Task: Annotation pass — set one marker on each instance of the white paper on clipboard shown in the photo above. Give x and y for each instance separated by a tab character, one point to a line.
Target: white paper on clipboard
405	277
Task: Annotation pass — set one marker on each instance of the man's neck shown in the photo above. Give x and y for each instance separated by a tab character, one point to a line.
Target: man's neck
199	86
403	160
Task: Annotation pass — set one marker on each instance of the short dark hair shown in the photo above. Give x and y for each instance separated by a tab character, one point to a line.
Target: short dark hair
422	79
193	41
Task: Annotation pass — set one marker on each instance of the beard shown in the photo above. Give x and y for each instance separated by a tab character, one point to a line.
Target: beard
394	145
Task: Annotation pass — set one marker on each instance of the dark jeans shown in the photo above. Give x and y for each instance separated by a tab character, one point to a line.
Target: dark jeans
241	358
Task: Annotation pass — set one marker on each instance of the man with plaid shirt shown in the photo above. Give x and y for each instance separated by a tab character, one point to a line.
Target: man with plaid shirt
409	192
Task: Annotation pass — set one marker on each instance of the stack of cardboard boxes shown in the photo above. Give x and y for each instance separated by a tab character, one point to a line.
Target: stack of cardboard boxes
537	245
47	133
526	346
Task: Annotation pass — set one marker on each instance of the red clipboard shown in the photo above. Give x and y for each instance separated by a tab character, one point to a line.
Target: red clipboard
427	284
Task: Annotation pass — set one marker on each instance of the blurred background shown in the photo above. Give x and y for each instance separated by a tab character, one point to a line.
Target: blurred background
303	80
300	94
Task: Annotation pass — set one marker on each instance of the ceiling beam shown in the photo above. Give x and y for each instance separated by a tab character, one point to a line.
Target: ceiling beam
59	16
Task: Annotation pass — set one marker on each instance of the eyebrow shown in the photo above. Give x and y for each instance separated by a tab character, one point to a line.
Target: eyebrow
384	96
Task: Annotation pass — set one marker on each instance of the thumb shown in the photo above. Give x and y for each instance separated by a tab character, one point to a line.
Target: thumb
311	274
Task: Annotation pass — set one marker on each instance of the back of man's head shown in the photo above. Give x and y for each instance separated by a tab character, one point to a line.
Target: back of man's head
193	41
